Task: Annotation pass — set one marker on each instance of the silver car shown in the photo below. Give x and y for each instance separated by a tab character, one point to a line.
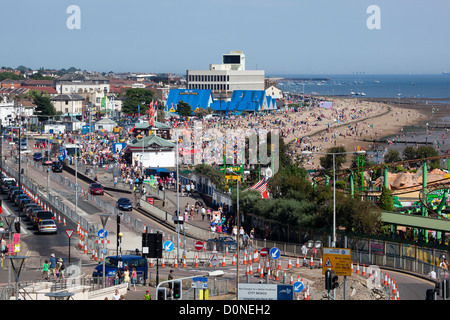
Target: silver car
47	226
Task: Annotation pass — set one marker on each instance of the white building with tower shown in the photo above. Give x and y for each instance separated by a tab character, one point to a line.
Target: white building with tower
226	77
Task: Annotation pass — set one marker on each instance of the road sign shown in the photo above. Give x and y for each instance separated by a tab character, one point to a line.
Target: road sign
263	252
199	283
275	253
198	245
69	232
102	233
214	260
259	291
168	245
298	286
338	260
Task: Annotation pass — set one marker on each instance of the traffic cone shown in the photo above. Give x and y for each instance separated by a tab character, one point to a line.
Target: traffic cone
78	227
175	262
292	279
289	263
223	261
259	267
311	264
385	279
357	268
245	258
261	273
64	221
297	265
307	292
279	264
276	276
250	268
210	265
351	266
364	270
59	218
196	262
163	264
226	250
320	263
233	262
85	247
152	264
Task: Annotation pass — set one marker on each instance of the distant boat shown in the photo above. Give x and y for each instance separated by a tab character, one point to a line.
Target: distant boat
413	84
363	94
352	93
376	81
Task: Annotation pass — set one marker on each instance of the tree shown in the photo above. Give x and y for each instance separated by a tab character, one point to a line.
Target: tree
386	200
327	161
44	106
392	156
184	109
409	153
137	99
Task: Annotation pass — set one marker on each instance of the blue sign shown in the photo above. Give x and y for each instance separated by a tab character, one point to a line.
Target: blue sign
285	292
168	245
275	253
298	286
102	233
200	279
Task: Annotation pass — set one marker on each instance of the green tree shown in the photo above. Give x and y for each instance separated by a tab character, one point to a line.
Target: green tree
327	160
44	106
9	75
184	109
137	99
392	156
386	200
409	153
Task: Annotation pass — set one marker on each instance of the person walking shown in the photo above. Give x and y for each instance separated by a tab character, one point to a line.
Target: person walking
52	263
133	278
45	270
126	277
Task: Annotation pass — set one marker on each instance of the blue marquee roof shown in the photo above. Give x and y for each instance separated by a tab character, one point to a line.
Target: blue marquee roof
246	100
194	97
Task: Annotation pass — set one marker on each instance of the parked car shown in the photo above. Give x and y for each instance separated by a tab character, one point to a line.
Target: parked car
37	156
96	188
47	226
124	204
57	166
41	215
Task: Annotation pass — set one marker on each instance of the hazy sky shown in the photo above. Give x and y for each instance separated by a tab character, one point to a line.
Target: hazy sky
278	36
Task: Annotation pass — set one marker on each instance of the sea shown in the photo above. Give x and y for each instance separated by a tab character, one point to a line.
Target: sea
374	86
432	90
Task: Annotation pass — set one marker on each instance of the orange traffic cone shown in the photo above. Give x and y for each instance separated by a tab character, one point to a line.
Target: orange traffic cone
175	262
196	262
289	263
223	261
297	265
233	262
163	264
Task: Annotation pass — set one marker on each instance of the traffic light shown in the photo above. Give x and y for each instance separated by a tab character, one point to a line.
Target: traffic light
161	294
17	226
333	280
177	291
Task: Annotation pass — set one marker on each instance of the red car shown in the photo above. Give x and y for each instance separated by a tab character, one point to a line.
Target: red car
96	188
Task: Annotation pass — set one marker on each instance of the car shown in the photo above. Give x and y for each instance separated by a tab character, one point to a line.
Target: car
221	243
41	215
12	190
28	206
96	188
31	212
23	202
19	198
14	194
37	156
46	161
124	204
7	183
57	166
47	226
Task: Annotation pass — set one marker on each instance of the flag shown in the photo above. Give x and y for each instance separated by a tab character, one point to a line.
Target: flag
261	186
151	115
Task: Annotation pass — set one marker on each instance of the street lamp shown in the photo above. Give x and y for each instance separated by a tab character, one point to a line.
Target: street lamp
333	243
238	227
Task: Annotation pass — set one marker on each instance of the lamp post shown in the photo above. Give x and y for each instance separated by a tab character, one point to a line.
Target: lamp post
333	243
238	227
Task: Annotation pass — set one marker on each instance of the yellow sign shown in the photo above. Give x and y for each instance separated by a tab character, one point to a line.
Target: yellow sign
337	259
172	110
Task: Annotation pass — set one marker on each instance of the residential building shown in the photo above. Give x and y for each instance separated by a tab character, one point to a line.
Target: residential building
69	104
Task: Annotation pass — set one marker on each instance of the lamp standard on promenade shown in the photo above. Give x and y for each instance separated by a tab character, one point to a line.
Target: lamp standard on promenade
333	243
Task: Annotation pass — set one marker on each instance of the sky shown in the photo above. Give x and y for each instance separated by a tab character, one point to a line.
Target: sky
278	36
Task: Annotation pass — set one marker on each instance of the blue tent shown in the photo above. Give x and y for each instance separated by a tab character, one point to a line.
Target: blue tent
194	97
